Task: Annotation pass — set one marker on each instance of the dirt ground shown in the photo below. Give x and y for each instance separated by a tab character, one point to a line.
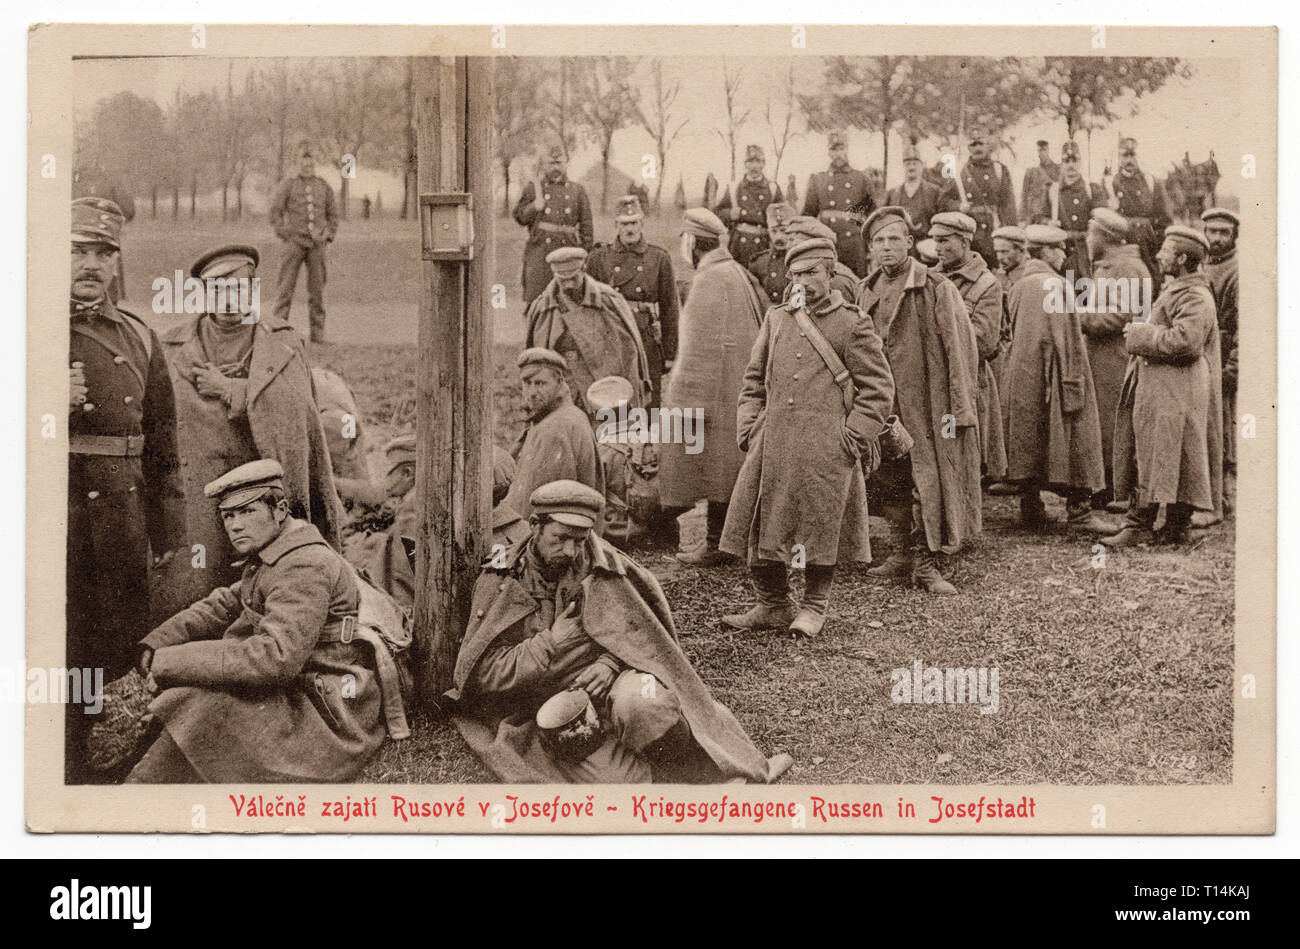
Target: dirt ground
1114	674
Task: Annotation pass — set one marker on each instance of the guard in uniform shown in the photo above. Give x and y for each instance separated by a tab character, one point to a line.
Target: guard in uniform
643	275
840	198
1037	180
989	196
304	217
769	266
1141	199
801	229
1069	207
124	491
922	199
747	216
557	214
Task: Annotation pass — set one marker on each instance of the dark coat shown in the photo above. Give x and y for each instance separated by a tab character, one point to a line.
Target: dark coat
830	196
559	446
753	197
1222	273
565	222
992	201
927	201
250	694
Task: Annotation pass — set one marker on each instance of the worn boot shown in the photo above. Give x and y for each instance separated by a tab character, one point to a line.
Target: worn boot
816	598
709	555
1033	513
775	609
926	575
896	566
1080	516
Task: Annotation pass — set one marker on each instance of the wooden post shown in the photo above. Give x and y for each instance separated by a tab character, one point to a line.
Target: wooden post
453	382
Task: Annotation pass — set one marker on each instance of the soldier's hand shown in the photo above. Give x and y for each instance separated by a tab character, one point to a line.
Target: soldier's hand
164	558
595	679
77	391
210	382
146	660
567	624
849	443
965	207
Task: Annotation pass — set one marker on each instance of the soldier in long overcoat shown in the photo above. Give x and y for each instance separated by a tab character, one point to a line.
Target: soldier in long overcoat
1221	230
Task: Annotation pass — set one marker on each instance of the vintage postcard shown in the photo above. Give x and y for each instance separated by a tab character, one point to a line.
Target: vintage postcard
571	430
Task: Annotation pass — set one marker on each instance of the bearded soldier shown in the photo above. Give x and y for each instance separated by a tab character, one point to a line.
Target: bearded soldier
745	211
769	266
557	214
1221	229
643	275
1141	200
835	196
1069	204
986	193
1037	179
922	199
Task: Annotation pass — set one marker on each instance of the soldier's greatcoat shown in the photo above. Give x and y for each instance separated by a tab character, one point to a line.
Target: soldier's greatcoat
1034	190
1143	202
921	205
830	197
1074	204
769	268
564	222
560	446
1222	273
748	235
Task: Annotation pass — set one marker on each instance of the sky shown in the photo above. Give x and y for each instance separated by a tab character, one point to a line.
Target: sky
1195	115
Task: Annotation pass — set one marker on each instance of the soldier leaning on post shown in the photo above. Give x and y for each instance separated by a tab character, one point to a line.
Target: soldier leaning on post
304	217
643	275
557	213
746	220
1221	230
833	197
125	497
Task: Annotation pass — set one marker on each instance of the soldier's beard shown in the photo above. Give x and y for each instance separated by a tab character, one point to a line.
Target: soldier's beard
839	164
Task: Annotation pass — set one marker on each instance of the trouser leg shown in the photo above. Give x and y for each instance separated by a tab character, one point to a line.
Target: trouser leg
771	582
716	517
164	763
316	290
290	261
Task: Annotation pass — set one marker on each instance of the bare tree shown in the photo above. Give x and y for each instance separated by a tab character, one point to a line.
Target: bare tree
517	117
280	108
656	117
875	93
607	103
562	120
735	117
355	103
786	104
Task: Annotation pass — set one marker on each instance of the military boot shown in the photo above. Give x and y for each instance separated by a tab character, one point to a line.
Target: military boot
1033	513
926	575
1129	536
816	598
775	609
896	566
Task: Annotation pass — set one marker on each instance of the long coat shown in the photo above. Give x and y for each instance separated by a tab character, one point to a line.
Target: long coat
1222	273
625	613
931	351
564	222
799	485
923	204
1104	333
559	446
272	415
753	197
830	197
1053	434
250	693
986	306
1169	427
719	324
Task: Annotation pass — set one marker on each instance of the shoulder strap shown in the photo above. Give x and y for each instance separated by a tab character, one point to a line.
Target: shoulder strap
828	355
141	329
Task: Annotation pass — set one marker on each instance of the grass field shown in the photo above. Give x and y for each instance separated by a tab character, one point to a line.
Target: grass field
1121	675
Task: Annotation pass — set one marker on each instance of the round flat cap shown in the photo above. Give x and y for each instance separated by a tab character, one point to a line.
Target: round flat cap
569	502
1010	232
1128	144
702	223
1041	143
807	254
540	356
1187	235
754	151
808	228
566	258
881	217
952	222
1220	214
1110	223
928	251
246	483
225	260
97	221
911	153
607	392
1044	235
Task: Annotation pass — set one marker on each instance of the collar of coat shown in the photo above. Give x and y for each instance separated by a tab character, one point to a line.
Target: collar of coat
715	256
638	248
915	279
272	351
971	270
1116	252
591	295
1033	266
1226	258
1196	278
295	534
504	514
601	555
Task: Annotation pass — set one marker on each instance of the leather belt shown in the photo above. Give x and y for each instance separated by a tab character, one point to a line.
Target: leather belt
113	446
558	228
835	216
747	228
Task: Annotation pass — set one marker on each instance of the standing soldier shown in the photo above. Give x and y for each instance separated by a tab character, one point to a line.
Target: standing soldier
816	394
1069	205
1166	452
1034	193
931	495
746	212
809	228
101	186
1011	248
304	217
1221	229
557	214
124	490
986	194
769	266
834	196
1141	200
922	199
1117	270
1053	435
643	274
982	293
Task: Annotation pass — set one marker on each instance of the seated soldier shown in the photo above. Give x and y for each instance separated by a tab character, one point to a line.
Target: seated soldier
380	554
345	436
568	611
270	679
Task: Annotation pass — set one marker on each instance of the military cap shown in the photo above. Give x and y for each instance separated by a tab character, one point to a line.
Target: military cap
541	356
225	260
779	213
889	214
1070	151
754	151
806	228
554	150
399	451
607	392
1012	233
807	254
1109	223
245	484
566	259
569	502
927	251
1042	143
1044	235
1128	144
1188	238
97	221
1221	214
837	139
702	223
628	209
952	222
911	153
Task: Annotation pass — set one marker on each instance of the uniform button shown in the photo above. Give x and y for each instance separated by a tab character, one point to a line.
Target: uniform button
830	187
742	240
1076	200
638	289
789	401
798	355
118	360
639	269
127	400
986	177
795	376
501	585
92	495
567	210
617	269
130	489
548	240
804	335
88	407
479	613
832	204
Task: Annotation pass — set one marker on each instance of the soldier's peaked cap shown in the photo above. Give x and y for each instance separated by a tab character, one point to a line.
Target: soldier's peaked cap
952	222
566	258
540	356
807	254
806	228
1010	232
1070	151
927	251
1110	223
225	260
245	484
881	217
628	209
779	213
1187	236
753	151
702	223
607	392
1220	214
97	221
1044	235
569	502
